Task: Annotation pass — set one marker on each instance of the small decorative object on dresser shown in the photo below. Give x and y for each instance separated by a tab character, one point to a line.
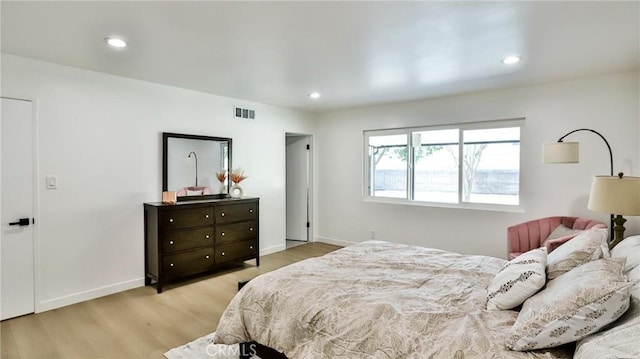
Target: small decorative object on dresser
222	177
237	176
169	197
199	236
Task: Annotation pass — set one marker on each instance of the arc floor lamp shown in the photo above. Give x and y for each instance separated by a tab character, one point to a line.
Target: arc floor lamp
196	157
617	195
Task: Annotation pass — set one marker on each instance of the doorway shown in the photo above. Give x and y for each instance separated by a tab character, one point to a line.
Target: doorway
298	188
17	293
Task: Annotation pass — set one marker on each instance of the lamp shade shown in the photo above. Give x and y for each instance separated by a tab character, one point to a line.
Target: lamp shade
561	152
612	194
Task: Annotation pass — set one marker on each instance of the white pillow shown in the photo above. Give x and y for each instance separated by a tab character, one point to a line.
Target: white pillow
572	306
620	341
634	277
585	247
628	248
518	280
562	231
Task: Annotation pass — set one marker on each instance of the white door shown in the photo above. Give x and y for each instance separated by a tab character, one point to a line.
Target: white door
16	237
297	187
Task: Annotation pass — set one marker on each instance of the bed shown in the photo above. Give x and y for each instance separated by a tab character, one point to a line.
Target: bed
377	300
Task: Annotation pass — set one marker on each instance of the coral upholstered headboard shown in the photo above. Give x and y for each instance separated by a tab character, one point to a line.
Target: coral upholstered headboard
533	234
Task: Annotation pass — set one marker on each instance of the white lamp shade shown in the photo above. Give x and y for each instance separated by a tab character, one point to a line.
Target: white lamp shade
561	152
612	194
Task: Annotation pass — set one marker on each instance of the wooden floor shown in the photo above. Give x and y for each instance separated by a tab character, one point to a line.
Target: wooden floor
138	323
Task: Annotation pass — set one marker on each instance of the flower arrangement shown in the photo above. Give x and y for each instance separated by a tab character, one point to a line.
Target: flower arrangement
221	176
237	176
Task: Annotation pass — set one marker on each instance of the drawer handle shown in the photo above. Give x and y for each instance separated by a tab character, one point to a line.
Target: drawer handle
170	264
170	220
170	243
222	234
251	211
250	247
207	236
251	229
222	254
206	215
222	214
207	256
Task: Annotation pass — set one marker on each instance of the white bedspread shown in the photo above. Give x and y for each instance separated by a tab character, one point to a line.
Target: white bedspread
375	300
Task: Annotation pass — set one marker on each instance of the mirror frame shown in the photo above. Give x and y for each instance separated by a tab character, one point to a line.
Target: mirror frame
165	171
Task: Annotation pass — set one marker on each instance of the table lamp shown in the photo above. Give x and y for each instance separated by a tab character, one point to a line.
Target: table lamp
619	195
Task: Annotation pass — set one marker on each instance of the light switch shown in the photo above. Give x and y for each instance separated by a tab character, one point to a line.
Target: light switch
52	182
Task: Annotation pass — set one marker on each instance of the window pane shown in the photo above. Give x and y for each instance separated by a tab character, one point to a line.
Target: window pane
388	166
491	166
436	166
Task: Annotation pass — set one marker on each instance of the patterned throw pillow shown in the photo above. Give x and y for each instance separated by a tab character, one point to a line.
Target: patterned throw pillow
622	339
572	306
563	231
559	236
629	248
585	247
518	280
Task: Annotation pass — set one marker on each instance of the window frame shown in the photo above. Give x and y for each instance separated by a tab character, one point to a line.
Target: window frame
461	127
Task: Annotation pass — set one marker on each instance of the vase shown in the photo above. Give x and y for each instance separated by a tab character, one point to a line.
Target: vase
223	188
236	190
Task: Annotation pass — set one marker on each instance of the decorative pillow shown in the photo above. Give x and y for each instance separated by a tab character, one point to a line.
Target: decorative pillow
560	235
552	244
629	248
572	306
563	231
518	280
620	341
587	246
634	277
194	193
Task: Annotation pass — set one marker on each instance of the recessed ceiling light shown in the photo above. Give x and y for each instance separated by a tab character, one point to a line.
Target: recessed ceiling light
314	95
510	60
115	42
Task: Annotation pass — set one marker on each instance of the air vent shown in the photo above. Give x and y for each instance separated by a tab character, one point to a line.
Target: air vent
244	113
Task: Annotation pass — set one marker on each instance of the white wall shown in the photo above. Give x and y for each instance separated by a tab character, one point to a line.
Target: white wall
101	135
608	104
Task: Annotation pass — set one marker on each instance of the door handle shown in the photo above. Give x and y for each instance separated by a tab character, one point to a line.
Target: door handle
21	222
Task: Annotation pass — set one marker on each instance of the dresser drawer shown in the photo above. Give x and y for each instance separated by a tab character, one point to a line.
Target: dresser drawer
186	218
236	212
233	251
235	232
185	263
173	241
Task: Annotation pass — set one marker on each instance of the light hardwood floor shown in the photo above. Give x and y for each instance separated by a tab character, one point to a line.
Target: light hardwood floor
138	323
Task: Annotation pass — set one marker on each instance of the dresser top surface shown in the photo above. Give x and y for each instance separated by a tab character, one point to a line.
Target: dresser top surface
200	202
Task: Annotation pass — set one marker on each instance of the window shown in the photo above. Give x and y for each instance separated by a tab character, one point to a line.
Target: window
465	165
389	165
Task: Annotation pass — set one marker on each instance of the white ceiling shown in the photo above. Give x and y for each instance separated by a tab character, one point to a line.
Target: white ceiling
353	53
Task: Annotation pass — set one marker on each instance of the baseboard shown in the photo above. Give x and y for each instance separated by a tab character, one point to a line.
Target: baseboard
63	301
335	242
88	295
273	249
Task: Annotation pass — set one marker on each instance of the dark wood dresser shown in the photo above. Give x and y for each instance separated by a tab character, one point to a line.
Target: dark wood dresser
198	236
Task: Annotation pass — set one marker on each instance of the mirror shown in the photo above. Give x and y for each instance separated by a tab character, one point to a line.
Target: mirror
190	164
